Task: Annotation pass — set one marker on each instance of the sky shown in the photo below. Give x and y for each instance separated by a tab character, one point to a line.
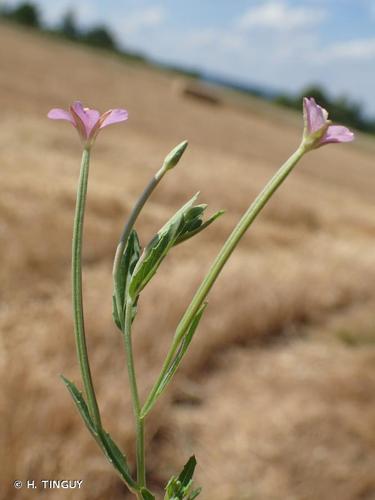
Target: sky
280	44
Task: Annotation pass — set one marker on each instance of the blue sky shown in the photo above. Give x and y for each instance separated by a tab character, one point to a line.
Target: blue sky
282	44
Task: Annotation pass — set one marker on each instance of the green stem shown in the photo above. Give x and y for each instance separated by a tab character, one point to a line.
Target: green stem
219	263
79	327
139	422
140	446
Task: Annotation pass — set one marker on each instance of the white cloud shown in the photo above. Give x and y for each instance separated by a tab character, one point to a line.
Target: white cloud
361	49
211	38
280	16
148	17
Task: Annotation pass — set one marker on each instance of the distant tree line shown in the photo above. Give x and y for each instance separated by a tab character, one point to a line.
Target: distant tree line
27	14
341	109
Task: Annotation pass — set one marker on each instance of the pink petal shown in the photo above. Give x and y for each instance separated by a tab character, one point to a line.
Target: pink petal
93	117
88	117
316	116
114	116
337	133
60	114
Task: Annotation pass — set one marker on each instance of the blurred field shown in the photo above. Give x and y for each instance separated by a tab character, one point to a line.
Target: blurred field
277	397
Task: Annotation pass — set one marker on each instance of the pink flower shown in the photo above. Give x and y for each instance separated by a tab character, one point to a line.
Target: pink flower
318	129
88	121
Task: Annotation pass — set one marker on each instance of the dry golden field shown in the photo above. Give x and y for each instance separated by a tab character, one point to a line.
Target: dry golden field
277	396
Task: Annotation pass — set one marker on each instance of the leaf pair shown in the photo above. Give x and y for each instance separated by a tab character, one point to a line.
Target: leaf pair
184	224
180	488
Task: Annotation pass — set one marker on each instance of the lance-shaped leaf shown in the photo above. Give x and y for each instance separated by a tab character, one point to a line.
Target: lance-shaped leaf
117	458
156	250
187	473
81	406
175	363
180	488
184	224
104	440
125	270
181	212
196	225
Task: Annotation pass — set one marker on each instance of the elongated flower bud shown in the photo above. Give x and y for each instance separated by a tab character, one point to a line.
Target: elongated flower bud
174	156
171	160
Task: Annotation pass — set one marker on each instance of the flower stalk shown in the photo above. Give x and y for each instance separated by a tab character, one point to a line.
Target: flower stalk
79	325
221	259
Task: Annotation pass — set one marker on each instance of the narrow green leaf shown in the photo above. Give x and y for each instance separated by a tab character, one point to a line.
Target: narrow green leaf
151	261
146	494
156	251
192	219
80	405
195	227
195	212
117	458
187	472
182	349
189	228
183	210
176	361
106	443
115	315
179	488
128	262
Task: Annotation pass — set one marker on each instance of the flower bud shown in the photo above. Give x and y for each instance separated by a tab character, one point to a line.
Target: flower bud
174	156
